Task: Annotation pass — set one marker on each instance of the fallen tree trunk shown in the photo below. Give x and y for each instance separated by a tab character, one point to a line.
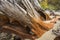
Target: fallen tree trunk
27	17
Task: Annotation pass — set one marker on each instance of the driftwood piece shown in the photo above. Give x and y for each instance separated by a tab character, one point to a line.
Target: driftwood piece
28	17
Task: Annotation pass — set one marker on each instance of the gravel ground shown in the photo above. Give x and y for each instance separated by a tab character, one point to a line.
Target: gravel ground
49	35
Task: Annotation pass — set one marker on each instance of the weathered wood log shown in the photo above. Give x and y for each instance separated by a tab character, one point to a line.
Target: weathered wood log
30	17
17	15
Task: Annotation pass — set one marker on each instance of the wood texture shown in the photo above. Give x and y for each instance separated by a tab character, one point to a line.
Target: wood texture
25	17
